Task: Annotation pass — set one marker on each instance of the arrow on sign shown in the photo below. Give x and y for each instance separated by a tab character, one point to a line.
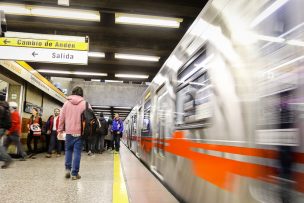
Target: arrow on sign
6	41
34	54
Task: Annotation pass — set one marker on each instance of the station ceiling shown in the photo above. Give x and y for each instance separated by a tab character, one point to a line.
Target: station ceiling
108	37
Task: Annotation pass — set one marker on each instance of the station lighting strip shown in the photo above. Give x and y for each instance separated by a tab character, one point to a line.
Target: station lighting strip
132	76
50	12
147	20
71	72
96	54
114	81
137	57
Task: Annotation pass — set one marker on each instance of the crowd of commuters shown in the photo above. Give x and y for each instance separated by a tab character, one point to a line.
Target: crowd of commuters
63	131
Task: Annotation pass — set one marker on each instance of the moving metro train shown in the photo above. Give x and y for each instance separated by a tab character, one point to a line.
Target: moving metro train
223	119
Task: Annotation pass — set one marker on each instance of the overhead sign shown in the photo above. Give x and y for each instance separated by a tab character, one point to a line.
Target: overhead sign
41	50
44	55
25	71
46	44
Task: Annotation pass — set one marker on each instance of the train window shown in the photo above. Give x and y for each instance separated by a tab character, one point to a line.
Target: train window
193	103
146	128
134	125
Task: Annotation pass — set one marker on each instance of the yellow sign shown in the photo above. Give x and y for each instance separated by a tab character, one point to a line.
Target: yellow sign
45	44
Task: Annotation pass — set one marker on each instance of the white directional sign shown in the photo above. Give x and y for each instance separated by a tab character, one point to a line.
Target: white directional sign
44	50
44	55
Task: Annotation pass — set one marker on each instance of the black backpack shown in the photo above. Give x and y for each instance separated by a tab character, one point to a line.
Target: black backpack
5	116
88	122
103	128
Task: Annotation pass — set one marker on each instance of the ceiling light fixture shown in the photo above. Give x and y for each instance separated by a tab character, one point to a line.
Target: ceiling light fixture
50	12
132	76
267	12
96	54
137	57
114	81
122	107
147	20
71	72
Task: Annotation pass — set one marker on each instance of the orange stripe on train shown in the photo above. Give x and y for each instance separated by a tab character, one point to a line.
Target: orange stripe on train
217	169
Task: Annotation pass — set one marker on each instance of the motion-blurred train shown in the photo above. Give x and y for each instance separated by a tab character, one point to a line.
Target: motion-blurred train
223	120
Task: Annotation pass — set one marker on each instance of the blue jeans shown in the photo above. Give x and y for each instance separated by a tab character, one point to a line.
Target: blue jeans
73	146
54	143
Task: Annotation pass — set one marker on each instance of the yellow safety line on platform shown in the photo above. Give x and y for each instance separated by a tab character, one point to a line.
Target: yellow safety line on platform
120	194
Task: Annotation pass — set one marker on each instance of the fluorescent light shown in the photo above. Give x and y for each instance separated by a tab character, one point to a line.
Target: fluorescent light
71	72
146	20
122	107
115	81
15	9
44	36
96	106
131	76
50	12
267	12
95	80
96	54
137	57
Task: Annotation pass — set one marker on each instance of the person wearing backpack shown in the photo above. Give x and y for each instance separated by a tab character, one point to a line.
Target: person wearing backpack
117	129
5	125
102	132
15	131
109	136
71	121
34	126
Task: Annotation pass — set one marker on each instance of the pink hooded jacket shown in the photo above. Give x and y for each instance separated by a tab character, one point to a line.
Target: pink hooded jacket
70	115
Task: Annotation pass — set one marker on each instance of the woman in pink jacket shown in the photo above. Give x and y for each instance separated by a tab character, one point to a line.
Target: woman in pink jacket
70	122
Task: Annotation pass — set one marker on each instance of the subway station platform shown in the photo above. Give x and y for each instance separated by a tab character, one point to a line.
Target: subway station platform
105	178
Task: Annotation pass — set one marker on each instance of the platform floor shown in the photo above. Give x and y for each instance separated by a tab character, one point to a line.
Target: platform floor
42	180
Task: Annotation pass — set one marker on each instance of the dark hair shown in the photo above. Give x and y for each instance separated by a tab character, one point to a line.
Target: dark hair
101	114
77	91
36	109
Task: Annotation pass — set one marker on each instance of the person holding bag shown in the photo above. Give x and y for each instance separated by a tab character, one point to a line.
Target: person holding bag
34	127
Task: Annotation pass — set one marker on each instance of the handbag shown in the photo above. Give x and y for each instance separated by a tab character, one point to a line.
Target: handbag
35	128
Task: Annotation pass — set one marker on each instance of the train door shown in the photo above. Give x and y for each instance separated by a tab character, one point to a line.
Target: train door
163	123
139	127
146	133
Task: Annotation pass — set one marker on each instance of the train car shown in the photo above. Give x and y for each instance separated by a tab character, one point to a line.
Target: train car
223	119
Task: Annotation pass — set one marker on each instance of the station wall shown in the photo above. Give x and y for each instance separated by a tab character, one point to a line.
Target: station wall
110	94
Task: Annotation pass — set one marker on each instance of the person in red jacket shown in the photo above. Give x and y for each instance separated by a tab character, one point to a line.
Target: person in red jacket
52	127
15	131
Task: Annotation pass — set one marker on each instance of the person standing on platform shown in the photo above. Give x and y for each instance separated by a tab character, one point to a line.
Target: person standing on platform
109	136
52	127
103	131
34	127
70	122
5	125
15	131
117	129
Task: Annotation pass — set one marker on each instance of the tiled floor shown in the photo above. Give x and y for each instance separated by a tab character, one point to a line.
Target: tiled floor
142	186
42	180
